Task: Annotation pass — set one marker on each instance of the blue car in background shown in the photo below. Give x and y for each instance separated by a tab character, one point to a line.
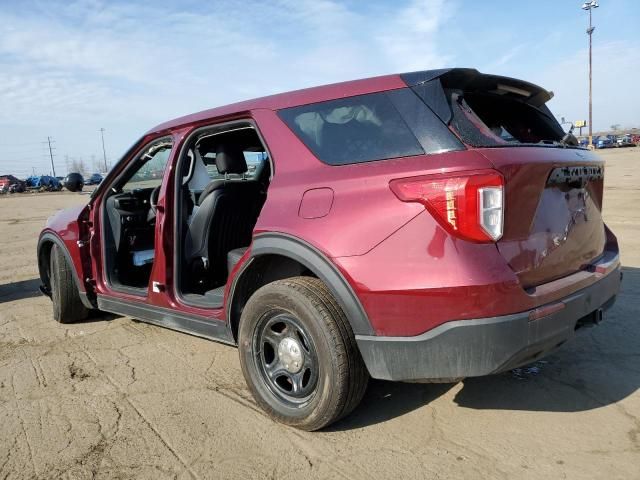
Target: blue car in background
44	182
94	179
604	142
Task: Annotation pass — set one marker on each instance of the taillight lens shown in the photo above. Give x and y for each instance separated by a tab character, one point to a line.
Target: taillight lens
470	205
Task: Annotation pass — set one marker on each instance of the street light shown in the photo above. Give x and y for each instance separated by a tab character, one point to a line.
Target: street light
590	6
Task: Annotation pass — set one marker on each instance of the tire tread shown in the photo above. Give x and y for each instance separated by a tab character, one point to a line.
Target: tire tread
67	306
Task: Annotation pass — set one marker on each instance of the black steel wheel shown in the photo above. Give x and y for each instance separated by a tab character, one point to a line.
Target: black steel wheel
286	357
298	354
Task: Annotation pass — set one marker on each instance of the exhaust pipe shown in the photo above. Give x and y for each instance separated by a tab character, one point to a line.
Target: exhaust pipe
591	320
598	316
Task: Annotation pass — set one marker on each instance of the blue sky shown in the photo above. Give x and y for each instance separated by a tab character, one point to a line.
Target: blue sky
69	68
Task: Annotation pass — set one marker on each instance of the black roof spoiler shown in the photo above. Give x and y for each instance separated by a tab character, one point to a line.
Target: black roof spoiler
470	80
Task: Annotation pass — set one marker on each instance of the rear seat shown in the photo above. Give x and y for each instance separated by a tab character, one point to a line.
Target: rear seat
233	257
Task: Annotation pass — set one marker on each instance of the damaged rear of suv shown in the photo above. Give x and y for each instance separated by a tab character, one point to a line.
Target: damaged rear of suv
427	226
517	255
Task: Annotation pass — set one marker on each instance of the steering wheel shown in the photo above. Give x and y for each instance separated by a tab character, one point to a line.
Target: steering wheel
153	204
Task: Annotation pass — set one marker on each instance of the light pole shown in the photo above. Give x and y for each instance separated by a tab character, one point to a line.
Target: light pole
589	6
104	152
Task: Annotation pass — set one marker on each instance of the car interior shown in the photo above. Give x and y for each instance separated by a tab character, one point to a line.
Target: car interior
223	182
224	175
130	219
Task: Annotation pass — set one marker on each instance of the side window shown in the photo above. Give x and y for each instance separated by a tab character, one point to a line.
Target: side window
357	129
153	163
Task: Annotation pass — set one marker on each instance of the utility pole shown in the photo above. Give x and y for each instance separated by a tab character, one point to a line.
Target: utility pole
589	6
53	168
104	152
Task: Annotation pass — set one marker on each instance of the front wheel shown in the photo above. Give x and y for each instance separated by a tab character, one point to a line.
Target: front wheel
67	306
298	354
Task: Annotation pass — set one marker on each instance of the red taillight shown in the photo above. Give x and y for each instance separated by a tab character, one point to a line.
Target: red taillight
470	205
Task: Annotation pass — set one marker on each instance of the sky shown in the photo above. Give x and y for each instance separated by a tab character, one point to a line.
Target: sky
69	68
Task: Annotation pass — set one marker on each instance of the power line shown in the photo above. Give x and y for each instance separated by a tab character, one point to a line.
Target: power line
51	155
49	143
104	152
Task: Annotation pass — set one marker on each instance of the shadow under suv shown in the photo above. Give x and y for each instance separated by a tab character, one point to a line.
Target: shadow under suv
427	226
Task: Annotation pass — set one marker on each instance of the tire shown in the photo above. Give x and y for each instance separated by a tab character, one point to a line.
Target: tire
67	306
302	309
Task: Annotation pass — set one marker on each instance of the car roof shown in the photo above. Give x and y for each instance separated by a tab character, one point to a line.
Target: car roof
290	99
295	98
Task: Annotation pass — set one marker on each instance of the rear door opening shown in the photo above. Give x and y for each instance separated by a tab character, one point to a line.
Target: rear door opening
224	174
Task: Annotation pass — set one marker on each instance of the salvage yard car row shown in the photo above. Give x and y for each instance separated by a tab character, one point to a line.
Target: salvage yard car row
46	183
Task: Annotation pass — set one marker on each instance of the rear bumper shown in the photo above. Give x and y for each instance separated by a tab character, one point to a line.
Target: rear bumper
470	348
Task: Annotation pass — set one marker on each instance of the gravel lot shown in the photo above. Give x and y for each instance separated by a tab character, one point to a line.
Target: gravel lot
116	398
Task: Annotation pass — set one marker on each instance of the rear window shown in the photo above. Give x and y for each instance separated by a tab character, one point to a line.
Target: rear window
353	130
487	119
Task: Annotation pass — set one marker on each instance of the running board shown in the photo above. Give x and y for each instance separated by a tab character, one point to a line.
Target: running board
164	317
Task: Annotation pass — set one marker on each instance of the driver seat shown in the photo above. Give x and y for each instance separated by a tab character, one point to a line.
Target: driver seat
224	220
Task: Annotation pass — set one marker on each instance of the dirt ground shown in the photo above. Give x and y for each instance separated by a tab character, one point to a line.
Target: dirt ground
115	398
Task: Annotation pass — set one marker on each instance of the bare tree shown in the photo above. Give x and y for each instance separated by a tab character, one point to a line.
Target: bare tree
615	127
95	164
77	165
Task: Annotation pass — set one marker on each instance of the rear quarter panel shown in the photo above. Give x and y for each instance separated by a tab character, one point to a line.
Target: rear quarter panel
364	210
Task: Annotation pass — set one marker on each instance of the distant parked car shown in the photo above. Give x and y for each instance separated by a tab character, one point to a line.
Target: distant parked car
11	184
44	182
17	187
604	142
624	141
94	179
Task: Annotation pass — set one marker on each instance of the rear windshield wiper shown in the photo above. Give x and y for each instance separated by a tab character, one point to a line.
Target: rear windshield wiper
569	138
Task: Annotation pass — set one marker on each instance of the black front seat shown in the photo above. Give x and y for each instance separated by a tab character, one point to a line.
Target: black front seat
224	220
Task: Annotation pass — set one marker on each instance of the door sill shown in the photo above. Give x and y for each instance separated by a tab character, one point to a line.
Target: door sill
211	299
169	318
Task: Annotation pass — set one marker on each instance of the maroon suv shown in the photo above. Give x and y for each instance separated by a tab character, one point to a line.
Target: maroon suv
419	227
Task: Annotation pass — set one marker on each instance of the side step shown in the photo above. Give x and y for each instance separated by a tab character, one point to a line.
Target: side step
164	317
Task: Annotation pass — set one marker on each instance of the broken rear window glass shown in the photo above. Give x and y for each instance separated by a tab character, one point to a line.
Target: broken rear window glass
486	119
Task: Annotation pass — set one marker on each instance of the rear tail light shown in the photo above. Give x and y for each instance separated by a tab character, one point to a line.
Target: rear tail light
469	205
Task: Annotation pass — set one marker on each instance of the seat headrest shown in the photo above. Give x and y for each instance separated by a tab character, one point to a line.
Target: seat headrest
230	159
200	176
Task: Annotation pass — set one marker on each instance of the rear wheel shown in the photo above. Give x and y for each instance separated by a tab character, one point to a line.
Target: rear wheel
299	355
67	306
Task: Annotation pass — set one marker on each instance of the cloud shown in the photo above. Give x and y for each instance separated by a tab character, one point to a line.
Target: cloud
615	78
506	58
410	39
69	68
